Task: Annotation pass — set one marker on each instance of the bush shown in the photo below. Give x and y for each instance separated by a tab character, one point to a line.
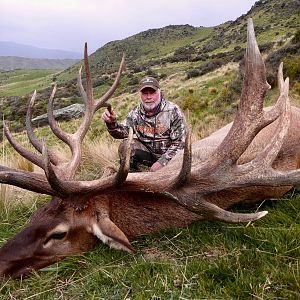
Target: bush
266	47
212	45
289	55
98	82
133	81
296	38
183	53
150	72
192	103
292	68
192	73
210	66
296	87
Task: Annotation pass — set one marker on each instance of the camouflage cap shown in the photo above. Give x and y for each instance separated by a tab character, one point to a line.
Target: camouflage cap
149	82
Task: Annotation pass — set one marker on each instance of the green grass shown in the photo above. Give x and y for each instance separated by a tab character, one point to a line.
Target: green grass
21	82
207	260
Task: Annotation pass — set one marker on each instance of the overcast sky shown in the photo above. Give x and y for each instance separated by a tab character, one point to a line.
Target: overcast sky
67	24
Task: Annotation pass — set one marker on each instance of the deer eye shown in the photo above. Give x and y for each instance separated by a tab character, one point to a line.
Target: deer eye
56	236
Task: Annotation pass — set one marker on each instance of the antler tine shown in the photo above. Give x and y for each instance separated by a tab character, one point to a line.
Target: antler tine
87	97
30	132
255	82
280	78
186	166
250	117
267	157
275	112
214	212
102	101
52	122
89	85
53	180
34	158
80	86
124	166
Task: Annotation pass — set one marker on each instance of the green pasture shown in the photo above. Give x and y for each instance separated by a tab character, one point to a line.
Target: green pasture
21	82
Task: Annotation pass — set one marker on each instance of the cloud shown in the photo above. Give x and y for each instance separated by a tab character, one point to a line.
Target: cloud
68	24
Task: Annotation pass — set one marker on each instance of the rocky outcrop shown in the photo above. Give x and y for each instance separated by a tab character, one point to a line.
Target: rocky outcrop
63	114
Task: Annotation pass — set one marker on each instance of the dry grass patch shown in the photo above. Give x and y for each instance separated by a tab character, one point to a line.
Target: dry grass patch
99	158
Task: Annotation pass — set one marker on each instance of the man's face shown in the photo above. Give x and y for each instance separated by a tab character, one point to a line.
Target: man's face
150	98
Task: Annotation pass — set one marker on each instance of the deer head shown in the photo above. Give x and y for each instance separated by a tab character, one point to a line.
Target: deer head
237	163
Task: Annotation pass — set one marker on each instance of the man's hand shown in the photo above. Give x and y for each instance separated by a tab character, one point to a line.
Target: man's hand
156	166
109	116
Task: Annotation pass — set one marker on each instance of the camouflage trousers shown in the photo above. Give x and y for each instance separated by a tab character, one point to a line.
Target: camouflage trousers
140	157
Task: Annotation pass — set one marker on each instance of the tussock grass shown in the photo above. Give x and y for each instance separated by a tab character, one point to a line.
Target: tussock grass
21	163
100	158
11	196
6	198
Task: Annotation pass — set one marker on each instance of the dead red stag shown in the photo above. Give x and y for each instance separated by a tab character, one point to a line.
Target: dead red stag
254	158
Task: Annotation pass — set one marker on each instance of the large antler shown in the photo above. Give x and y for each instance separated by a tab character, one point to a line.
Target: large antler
59	173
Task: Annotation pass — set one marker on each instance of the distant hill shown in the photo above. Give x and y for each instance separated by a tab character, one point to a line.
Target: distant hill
8	63
15	49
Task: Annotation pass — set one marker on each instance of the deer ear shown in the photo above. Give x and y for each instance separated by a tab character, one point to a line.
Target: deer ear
109	233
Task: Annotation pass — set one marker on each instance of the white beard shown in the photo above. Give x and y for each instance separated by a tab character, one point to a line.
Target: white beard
149	107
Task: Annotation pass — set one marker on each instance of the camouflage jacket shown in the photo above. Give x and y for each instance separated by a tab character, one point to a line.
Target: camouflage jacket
163	133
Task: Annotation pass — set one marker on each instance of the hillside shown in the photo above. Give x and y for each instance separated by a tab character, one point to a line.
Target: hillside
182	57
187	43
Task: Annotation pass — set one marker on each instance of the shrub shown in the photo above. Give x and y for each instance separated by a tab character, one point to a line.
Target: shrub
183	53
192	73
212	90
163	76
133	81
266	47
137	69
285	54
210	66
292	68
98	82
296	87
192	103
151	73
296	38
212	45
